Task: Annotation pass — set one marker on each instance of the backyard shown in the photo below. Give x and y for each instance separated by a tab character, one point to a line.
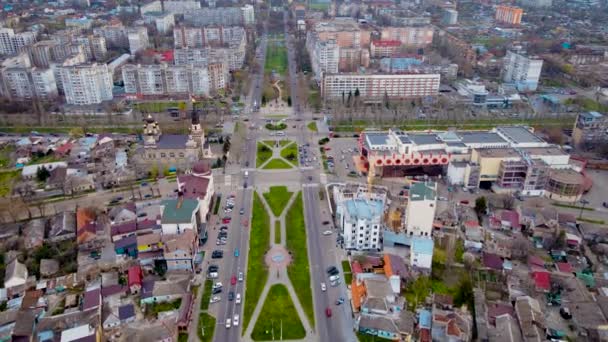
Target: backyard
259	242
291	153
6	181
277	198
278	318
299	270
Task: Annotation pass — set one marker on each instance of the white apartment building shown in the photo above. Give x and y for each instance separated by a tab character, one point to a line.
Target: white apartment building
86	84
164	21
180	6
164	79
21	81
379	86
324	56
190	56
421	207
198	37
248	14
11	42
521	70
138	39
94	47
214	16
116	36
359	213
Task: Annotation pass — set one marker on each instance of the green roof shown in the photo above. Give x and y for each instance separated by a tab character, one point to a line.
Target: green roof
183	214
422	191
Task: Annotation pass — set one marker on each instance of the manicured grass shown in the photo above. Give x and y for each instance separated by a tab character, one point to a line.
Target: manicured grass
283	143
312	126
157	107
299	269
276	58
277	164
278	317
277	232
588	220
257	272
277	198
348	276
218	201
346	266
290	153
263	154
362	337
7	180
206	294
276	127
272	143
206	324
182	337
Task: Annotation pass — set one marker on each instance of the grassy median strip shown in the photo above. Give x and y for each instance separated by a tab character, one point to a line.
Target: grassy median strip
206	327
277	232
278	318
257	273
312	126
277	198
299	269
206	294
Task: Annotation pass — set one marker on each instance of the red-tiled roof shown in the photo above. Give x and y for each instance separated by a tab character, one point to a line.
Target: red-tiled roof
542	280
192	186
511	216
135	275
386	43
356	267
564	267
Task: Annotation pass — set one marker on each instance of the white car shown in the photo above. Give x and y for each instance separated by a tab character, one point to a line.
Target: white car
238	298
334	277
228	323
241	276
323	287
236	320
212	275
218	285
215	299
327	232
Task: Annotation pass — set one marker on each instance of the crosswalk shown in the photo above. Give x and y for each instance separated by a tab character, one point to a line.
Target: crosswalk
227	180
310	185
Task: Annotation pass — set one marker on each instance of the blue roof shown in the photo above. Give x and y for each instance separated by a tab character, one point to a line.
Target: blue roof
424	319
364	209
422	245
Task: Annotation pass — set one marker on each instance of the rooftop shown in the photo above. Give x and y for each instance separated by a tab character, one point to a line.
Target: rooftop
422	245
364	209
497	153
172	141
421	191
518	134
179	210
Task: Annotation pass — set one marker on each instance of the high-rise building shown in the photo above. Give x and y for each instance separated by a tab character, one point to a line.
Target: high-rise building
380	86
509	15
248	14
11	42
137	39
421	207
94	47
521	70
86	84
417	36
217	43
164	79
450	17
324	56
215	16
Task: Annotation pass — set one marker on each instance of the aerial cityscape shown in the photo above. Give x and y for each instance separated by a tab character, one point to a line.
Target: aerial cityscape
318	171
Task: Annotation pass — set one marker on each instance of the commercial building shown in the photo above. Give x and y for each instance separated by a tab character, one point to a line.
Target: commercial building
384	48
86	84
360	215
228	16
380	86
417	36
449	17
11	42
421	207
521	70
590	129
248	14
164	79
508	14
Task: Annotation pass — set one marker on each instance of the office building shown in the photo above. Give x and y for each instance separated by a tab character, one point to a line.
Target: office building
137	39
508	14
86	84
590	129
384	48
380	86
248	14
449	17
521	70
360	215
421	207
229	16
164	79
416	36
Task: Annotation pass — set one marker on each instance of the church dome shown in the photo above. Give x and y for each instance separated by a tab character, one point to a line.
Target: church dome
200	168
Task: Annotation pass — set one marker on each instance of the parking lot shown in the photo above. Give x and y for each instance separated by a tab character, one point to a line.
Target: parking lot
341	153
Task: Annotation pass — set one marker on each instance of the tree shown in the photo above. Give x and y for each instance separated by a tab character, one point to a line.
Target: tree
481	206
264	100
289	101
42	174
226	146
507	201
154	172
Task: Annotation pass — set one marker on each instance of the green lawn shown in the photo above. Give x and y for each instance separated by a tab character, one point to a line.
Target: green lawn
5	156
272	143
264	153
7	180
346	266
277	164
362	337
259	243
276	127
278	312
277	198
207	323
182	337
312	126
157	107
155	308
299	269
206	294
348	276
291	153
277	231
276	57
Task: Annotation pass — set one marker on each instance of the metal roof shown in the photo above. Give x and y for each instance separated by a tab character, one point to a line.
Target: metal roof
377	138
480	137
518	134
425	139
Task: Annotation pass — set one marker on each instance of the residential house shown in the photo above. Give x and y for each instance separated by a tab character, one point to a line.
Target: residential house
542	221
542	280
394	265
92	300
198	185
15	274
180	250
126	246
531	318
75	184
400	329
117	316
149	242
135	278
57	178
505	329
163	290
179	215
33	233
163	331
509	219
86	225
451	325
62	226
48	267
492	262
81	333
121	230
123	213
29	172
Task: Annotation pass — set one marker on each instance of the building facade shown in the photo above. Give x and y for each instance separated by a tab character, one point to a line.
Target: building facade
384	48
421	207
590	129
137	39
380	86
86	84
521	70
508	14
164	79
248	14
215	16
11	42
417	36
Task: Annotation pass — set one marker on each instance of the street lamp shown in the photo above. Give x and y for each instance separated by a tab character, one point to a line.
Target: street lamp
583	202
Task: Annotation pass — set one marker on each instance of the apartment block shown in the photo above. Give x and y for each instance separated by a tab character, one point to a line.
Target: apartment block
86	84
380	86
137	39
508	14
248	14
28	83
11	42
421	207
164	79
133	38
324	56
94	47
227	44
228	16
163	21
590	128
347	32
384	48
460	51
417	36
521	70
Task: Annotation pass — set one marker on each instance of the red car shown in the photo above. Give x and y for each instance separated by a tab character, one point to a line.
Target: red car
226	220
233	280
328	312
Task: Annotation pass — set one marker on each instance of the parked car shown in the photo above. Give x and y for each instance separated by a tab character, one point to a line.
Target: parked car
217	254
236	320
332	270
236	252
327	232
215	299
340	301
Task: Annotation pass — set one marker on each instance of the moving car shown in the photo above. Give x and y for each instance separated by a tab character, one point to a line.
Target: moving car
231	296
226	220
327	232
215	299
332	270
323	287
236	320
241	276
236	252
328	312
340	301
216	290
217	254
233	280
228	323
242	212
334	277
238	298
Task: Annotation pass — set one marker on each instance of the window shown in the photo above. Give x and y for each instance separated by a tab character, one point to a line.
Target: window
172	155
181	154
163	155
